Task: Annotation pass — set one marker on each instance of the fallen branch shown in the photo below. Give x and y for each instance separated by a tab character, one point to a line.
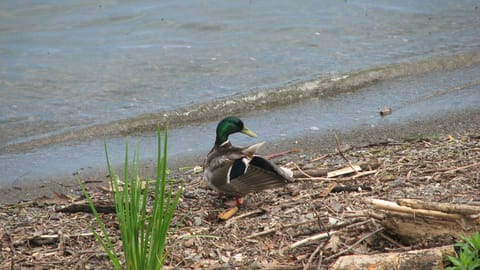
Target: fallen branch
387	205
461	209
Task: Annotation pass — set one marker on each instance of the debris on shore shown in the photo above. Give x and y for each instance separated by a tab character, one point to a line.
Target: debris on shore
348	202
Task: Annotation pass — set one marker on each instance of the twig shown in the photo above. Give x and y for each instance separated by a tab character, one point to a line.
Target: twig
391	240
311	239
463	167
328	189
354	244
315	179
280	227
337	141
302	171
364	173
320	259
251	213
312	256
351	188
319	158
274	155
10	242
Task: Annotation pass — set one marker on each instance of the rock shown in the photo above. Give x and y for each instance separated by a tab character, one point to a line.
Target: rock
197	221
189	243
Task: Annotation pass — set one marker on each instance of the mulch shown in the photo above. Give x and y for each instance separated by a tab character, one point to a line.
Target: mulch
306	225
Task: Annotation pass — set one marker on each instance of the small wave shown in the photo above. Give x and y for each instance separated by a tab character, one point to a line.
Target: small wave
254	100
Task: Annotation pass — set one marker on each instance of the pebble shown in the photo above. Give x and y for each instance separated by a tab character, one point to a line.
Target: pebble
197	221
189	243
310	216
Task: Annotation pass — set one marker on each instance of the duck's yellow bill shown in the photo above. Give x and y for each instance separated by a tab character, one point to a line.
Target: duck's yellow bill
248	132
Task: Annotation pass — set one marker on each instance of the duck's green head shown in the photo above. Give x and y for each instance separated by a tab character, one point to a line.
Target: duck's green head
231	125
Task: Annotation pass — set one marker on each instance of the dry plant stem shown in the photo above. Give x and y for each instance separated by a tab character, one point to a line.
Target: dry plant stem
337	141
354	244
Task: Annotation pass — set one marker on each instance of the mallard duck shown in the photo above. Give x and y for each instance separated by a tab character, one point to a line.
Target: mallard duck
237	171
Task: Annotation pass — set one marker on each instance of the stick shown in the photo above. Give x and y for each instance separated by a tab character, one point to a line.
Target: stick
319	158
364	173
254	212
311	239
274	155
329	189
341	153
354	244
281	227
310	259
463	167
302	171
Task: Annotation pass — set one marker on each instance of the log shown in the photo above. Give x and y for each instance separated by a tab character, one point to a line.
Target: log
432	258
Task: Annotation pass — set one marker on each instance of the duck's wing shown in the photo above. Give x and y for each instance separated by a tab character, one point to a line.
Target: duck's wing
256	174
223	162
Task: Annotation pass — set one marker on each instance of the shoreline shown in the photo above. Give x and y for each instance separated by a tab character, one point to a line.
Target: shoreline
436	169
457	123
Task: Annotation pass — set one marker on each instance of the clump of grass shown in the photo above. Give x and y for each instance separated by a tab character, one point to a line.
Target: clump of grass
143	232
469	256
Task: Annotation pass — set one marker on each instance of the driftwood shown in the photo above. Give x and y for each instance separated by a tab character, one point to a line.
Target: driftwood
432	258
461	209
422	221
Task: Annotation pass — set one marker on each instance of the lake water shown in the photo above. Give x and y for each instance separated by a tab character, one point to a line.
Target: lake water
75	71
